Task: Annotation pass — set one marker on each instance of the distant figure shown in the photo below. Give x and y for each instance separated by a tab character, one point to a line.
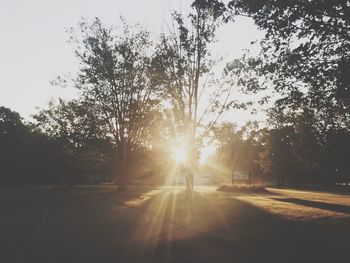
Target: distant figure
188	173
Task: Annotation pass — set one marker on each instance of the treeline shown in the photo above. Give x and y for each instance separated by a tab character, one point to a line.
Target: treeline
30	156
291	155
136	99
302	76
139	97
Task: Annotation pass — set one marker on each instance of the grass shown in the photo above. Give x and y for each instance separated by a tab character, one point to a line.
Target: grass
242	188
146	224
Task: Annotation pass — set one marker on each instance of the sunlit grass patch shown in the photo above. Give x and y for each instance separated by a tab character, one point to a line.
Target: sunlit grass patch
292	211
242	188
326	197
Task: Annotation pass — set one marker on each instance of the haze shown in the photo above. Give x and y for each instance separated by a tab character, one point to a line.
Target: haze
34	48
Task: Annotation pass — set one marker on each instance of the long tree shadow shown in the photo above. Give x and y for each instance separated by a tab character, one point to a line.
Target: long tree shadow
222	228
315	204
197	230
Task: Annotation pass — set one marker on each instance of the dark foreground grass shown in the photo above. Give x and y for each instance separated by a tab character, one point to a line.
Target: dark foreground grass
147	225
242	188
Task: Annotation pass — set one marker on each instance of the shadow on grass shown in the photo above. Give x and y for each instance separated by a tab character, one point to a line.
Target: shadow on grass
163	226
199	230
220	228
246	189
315	204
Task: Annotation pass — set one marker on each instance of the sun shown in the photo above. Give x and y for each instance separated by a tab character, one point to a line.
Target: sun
180	154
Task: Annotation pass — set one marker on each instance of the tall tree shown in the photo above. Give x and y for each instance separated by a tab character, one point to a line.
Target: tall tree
237	150
28	156
83	135
304	62
114	85
182	61
13	140
76	122
306	50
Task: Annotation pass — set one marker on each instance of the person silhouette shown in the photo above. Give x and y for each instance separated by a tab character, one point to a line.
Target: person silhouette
189	181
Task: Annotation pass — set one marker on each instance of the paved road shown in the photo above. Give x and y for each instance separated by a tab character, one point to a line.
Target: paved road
100	224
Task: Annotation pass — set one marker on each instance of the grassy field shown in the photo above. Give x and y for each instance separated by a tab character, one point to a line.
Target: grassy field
100	224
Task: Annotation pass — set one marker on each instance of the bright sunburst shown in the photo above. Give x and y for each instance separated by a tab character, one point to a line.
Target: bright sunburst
180	154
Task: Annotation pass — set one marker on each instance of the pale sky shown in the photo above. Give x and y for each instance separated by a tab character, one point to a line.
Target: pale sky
34	48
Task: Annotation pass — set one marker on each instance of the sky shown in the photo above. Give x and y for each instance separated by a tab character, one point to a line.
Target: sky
34	48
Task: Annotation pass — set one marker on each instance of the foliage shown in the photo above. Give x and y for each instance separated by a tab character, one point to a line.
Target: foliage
117	103
114	78
303	67
28	156
305	54
76	122
182	61
237	150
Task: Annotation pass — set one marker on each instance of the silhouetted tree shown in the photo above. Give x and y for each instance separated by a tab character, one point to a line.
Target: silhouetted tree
13	138
305	51
28	156
180	65
84	136
304	67
237	150
76	122
335	157
114	84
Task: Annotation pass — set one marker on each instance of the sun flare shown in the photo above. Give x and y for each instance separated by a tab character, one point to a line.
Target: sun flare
180	154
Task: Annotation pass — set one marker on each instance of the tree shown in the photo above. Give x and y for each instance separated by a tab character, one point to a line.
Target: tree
237	150
114	85
83	135
280	162
28	156
304	67
13	136
181	63
335	156
76	122
306	50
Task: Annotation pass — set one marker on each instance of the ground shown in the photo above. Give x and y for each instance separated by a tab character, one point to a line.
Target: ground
99	224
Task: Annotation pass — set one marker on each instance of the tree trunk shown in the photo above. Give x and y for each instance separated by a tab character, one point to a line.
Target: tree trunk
121	173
